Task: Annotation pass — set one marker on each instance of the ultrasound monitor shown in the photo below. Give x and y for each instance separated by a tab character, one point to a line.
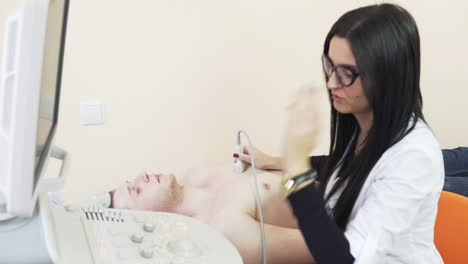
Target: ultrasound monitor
30	82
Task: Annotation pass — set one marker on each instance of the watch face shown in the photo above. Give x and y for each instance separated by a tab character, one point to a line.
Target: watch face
297	183
289	184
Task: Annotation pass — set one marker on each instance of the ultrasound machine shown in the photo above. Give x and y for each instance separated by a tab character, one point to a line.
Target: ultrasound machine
33	229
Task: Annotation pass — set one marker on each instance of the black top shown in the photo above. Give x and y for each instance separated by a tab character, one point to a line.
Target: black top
456	161
326	242
318	162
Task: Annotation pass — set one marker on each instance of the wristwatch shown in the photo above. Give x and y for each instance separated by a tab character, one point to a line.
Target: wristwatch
293	184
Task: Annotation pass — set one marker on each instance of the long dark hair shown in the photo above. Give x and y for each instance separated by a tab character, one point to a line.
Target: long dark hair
384	40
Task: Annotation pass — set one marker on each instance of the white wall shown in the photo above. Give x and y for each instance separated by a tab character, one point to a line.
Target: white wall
178	78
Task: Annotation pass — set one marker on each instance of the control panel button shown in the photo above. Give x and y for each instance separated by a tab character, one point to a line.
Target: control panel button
137	238
147	253
148	227
184	248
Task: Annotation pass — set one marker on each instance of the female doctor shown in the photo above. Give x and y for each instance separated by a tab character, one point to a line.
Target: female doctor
374	198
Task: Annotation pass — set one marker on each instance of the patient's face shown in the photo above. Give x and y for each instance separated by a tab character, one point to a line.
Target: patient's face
155	192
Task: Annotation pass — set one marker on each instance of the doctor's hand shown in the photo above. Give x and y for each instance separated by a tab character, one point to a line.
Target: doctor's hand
262	160
302	129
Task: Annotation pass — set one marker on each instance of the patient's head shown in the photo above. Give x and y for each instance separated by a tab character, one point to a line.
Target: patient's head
155	192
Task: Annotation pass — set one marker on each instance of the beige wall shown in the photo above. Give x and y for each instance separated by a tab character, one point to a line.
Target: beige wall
179	78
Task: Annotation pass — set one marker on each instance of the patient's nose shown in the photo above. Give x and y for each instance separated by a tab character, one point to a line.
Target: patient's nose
140	178
148	177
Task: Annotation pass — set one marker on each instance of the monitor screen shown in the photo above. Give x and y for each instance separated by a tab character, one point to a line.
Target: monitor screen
50	82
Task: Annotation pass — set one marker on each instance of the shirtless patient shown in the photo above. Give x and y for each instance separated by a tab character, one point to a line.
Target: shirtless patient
226	201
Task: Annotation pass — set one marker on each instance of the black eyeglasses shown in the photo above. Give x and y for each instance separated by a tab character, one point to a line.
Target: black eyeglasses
345	74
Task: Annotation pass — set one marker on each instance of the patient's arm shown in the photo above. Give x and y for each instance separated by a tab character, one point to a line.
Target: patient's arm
283	245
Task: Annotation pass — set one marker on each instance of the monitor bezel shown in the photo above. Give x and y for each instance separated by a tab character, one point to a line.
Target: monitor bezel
39	167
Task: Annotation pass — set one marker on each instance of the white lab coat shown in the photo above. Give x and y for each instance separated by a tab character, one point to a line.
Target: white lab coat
393	218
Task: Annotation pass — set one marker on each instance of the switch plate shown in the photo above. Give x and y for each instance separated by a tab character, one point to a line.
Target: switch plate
91	113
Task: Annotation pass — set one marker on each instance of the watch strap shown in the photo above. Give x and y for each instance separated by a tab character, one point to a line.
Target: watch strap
296	183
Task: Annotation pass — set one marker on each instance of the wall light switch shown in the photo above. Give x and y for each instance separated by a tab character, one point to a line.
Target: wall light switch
91	113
